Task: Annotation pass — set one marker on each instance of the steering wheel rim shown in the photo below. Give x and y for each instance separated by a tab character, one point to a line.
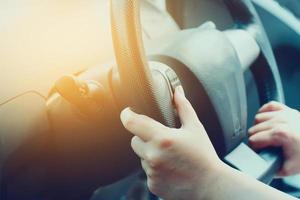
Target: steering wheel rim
265	72
249	20
131	57
140	81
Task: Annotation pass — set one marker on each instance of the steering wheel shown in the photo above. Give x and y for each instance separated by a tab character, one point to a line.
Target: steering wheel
215	87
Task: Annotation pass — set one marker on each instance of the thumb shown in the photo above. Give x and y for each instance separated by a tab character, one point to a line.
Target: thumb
186	112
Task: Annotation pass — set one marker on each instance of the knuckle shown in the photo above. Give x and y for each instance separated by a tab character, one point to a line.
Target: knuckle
149	173
155	163
150	156
134	141
166	142
130	122
280	133
153	187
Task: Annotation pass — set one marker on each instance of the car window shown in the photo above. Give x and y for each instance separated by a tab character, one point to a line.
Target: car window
292	5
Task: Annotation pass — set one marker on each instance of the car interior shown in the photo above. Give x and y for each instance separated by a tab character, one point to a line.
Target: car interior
68	68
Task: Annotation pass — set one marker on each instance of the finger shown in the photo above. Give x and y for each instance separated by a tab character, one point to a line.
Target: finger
280	174
271	106
287	169
264	139
138	146
262	117
260	127
147	169
140	125
186	112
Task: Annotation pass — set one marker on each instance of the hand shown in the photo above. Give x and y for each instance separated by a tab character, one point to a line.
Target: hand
279	126
177	161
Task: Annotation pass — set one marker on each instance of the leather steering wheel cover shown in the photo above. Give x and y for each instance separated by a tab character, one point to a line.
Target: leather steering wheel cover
265	70
134	72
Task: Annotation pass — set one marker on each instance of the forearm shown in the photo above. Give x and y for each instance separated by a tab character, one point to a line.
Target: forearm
234	185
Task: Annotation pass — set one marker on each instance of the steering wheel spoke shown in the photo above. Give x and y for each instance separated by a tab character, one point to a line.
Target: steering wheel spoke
245	46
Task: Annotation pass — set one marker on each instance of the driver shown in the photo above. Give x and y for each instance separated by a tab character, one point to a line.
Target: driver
182	163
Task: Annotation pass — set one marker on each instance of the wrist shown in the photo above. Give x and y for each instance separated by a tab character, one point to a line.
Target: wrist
210	179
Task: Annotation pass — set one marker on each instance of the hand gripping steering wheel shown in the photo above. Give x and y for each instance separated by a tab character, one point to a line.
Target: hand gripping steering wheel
215	87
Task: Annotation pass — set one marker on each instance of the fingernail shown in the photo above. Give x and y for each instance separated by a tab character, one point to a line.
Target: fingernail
180	90
250	130
252	139
125	114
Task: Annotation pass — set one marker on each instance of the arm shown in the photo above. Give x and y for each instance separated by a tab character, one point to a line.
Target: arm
182	163
234	185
